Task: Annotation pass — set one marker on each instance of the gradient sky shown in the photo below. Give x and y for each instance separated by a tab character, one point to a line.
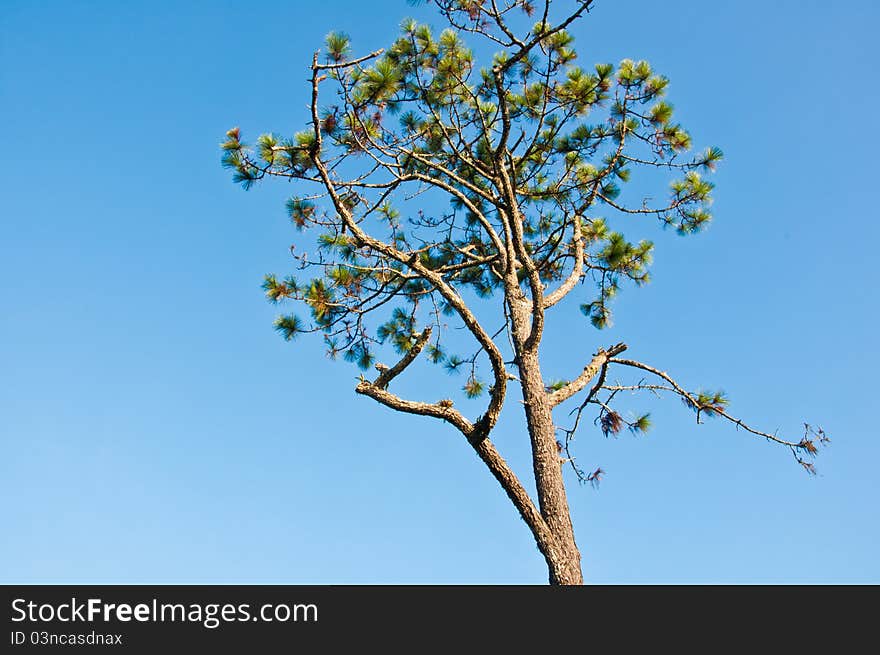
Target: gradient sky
154	429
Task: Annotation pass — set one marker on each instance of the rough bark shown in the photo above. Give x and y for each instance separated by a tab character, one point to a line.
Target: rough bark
547	465
546	462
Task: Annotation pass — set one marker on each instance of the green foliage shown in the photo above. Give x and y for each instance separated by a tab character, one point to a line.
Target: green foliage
360	354
453	364
532	138
708	403
320	299
276	291
300	211
641	425
378	84
289	326
243	173
338	46
474	388
399	330
436	354
711	157
598	313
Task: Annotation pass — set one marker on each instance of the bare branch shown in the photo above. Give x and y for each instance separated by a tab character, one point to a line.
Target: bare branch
388	374
352	62
437	410
577	270
590	370
693	402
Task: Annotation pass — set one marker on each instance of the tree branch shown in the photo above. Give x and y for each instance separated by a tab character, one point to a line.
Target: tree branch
388	374
694	403
437	410
477	436
577	271
590	370
547	542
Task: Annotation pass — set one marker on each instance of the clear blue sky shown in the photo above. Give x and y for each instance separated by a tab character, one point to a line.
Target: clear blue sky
153	428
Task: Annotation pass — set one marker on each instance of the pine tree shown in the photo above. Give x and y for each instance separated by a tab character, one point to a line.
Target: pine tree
526	155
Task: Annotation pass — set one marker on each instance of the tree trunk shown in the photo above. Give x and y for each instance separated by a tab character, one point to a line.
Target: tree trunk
547	464
565	567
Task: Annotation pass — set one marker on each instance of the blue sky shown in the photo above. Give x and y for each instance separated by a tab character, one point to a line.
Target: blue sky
153	428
